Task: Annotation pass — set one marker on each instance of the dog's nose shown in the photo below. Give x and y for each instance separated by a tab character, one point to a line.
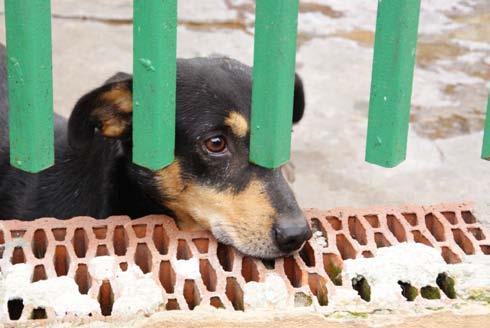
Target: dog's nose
290	235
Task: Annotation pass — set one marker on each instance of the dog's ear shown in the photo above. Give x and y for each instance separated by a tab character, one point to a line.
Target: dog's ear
299	99
106	110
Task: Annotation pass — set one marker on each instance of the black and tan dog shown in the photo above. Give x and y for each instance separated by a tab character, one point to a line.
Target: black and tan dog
210	185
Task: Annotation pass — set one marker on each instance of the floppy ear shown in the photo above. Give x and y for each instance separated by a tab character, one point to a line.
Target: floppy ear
106	110
299	99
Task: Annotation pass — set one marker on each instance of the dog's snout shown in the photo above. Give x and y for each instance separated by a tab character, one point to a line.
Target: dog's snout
291	234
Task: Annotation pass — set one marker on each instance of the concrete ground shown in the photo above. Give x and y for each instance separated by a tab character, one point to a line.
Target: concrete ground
92	40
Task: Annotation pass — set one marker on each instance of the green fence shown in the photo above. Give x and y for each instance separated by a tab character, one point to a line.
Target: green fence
28	25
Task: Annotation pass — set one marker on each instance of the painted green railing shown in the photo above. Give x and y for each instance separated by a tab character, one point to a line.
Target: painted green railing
485	153
391	83
28	25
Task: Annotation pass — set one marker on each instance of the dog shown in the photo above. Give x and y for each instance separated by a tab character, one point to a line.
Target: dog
211	184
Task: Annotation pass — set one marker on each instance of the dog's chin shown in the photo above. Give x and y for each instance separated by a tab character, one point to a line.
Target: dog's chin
264	249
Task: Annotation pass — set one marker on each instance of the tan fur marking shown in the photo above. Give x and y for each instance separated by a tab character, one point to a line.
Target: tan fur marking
114	127
237	123
246	217
120	97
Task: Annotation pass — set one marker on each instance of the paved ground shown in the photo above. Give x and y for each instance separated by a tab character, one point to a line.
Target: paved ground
92	40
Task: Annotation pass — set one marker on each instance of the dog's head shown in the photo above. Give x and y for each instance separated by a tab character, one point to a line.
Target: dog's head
211	184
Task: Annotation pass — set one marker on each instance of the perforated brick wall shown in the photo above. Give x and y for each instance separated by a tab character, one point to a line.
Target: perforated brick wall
57	248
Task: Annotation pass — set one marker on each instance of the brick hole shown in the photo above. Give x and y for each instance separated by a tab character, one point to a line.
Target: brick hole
39	273
435	227
418	237
307	255
446	284
225	256
59	234
269	264
143	258
449	256
215	301
333	266
202	245
463	241
18	256
318	287
345	248
120	241
167	276
357	230
39	243
83	279
17	233
430	293
160	239
485	249
139	230
396	228
450	217
367	254
39	314
123	266
80	242
102	250
61	261
293	271
191	294
249	269
234	293
172	305
15	308
316	225
381	240
361	285
373	220
183	250
468	217
208	275
100	232
334	222
411	218
302	300
408	291
106	298
477	233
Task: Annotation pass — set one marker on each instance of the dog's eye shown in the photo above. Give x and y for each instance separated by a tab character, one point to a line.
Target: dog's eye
216	144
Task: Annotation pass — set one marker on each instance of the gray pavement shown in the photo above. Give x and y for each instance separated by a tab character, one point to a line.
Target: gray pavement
92	40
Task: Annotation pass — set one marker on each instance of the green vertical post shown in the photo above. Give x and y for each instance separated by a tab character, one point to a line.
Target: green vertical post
30	91
154	82
391	84
273	81
485	153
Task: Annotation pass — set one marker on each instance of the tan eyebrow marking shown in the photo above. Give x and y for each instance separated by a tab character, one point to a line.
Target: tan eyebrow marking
237	123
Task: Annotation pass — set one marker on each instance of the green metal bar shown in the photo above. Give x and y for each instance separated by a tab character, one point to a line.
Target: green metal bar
485	153
391	84
154	82
273	82
29	67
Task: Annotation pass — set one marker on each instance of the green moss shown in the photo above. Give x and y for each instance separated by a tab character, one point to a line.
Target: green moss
446	284
430	293
301	299
335	273
362	286
408	291
349	315
480	295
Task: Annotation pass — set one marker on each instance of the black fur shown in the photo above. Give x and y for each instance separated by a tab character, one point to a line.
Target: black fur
93	175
